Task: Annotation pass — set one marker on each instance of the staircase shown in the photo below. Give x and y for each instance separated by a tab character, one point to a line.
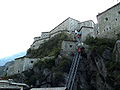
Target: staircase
73	72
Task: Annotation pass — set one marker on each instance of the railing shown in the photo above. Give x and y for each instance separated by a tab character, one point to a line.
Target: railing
73	72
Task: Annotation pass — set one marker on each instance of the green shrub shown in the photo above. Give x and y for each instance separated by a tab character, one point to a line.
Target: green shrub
50	47
113	69
100	44
64	65
112	65
47	63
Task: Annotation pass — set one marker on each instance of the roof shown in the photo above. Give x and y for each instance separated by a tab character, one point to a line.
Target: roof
20	58
84	27
86	21
20	84
64	21
108	9
4	81
45	32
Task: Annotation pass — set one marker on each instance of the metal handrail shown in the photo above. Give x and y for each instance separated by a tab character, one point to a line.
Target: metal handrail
73	72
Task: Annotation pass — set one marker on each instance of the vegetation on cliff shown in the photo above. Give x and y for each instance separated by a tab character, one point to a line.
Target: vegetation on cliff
50	47
113	67
46	72
49	73
100	44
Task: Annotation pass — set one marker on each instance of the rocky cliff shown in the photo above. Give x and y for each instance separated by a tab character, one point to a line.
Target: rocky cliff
98	69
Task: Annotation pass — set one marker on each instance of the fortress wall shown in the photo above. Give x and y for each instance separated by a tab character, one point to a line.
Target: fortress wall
21	65
109	22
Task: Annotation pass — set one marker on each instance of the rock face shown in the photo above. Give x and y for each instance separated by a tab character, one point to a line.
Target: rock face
52	69
107	54
92	73
116	51
3	69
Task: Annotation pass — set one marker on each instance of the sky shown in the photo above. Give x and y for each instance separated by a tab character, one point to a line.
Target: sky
22	20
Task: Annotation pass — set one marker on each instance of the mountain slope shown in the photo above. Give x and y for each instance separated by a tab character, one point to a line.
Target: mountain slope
3	61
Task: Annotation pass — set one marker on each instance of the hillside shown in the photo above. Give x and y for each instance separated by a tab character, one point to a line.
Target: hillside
57	65
3	61
53	72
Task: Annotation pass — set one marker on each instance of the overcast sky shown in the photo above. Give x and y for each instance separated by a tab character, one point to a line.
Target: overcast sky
22	20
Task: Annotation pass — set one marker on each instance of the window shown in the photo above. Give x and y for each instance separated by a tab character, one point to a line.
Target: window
114	32
70	45
33	45
106	19
31	61
118	12
97	32
107	28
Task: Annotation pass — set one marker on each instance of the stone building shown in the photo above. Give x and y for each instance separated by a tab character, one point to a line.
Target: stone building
37	42
68	26
87	28
109	22
20	65
68	47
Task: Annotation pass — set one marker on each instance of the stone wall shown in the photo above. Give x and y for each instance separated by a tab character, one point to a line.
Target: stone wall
68	47
87	28
88	23
109	22
45	35
37	43
87	32
20	65
69	24
36	38
3	69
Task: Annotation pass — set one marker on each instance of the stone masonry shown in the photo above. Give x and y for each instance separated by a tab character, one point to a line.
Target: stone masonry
109	22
